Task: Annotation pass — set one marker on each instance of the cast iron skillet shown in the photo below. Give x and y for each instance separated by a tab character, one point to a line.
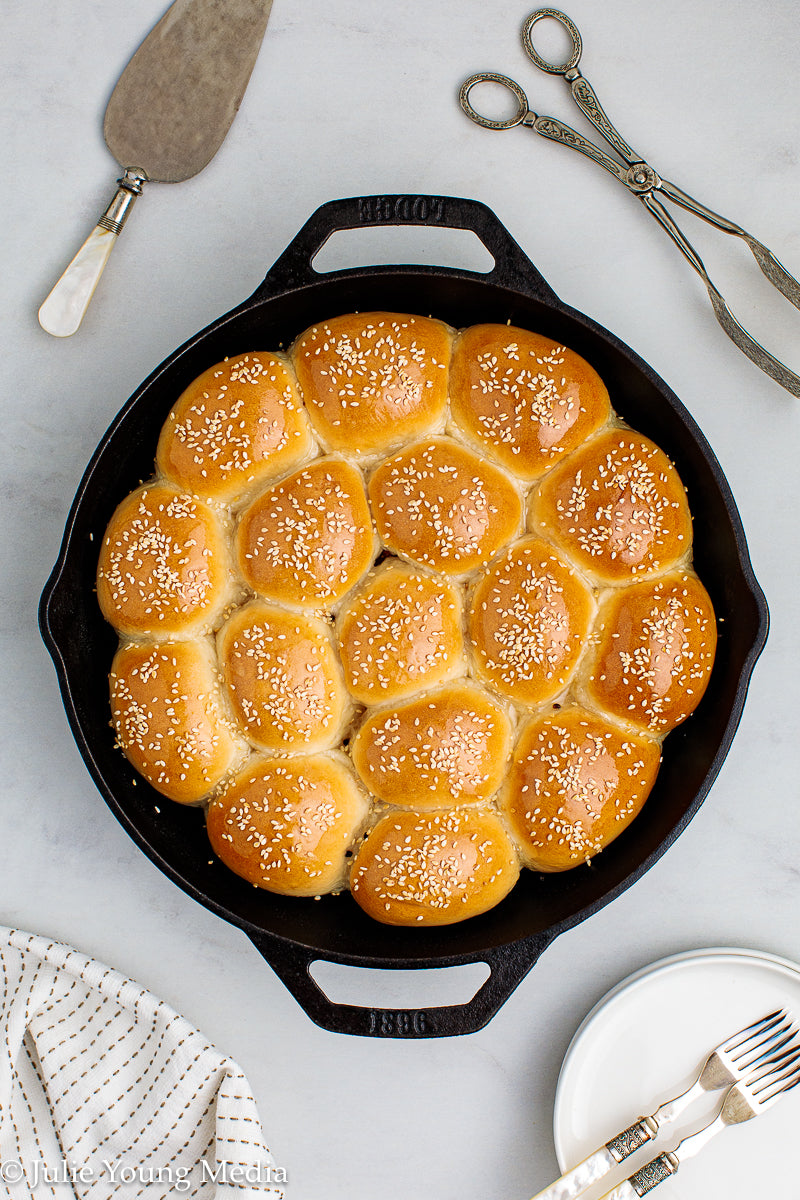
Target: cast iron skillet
293	934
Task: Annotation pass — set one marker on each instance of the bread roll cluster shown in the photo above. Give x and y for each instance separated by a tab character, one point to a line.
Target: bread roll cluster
406	609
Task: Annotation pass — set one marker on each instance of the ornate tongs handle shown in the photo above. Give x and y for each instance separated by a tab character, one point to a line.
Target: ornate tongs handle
549	127
583	93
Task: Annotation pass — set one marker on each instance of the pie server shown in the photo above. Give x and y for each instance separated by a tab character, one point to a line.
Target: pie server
166	119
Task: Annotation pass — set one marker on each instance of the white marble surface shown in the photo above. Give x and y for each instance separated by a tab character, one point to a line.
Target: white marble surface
354	97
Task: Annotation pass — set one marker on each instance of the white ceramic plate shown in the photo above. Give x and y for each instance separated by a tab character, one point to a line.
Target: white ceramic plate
644	1042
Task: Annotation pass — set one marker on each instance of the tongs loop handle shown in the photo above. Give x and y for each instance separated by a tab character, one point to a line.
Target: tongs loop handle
493	77
574	56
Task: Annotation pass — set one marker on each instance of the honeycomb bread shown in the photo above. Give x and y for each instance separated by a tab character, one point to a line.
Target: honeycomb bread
407	609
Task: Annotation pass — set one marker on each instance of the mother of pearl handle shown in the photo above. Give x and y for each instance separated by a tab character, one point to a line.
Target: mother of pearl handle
63	310
623	1191
581	1177
598	1164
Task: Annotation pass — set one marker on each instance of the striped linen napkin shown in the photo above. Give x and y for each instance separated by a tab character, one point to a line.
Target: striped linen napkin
105	1091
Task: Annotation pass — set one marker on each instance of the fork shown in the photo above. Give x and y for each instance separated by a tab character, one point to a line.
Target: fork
745	1100
742	1052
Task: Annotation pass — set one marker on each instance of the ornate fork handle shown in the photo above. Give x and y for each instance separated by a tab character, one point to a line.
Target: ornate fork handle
644	1180
601	1161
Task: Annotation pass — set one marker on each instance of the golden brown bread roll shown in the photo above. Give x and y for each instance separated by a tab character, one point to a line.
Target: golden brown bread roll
283	680
286	824
373	380
523	399
617	506
170	720
260	529
238	425
399	633
576	781
653	650
307	540
447	747
434	868
528	620
443	506
164	568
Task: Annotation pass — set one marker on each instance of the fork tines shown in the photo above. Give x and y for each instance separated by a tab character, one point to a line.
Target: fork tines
754	1044
777	1074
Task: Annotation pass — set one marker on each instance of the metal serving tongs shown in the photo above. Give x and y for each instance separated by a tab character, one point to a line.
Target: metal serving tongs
640	179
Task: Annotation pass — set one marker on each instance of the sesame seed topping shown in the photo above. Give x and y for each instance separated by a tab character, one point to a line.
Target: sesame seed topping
383	662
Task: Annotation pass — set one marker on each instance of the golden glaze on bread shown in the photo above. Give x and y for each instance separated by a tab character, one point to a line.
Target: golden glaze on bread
523	399
434	868
576	781
487	677
373	380
241	423
169	717
617	506
307	540
164	568
528	621
654	650
443	506
286	824
400	633
284	682
450	746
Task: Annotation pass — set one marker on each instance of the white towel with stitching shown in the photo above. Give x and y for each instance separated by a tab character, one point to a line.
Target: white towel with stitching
105	1091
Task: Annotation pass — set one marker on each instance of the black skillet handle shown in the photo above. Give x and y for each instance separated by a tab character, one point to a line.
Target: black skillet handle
508	966
513	269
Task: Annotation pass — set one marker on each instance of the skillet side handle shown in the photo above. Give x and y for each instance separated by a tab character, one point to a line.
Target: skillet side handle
508	966
513	269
